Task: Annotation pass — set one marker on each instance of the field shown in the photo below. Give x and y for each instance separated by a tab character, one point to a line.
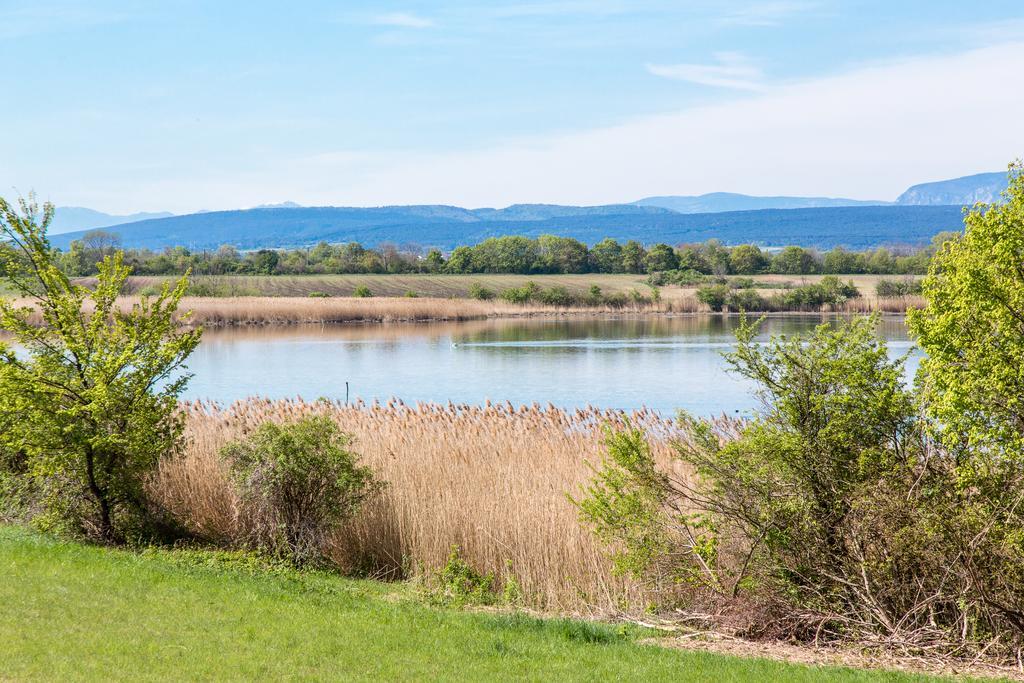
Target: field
74	612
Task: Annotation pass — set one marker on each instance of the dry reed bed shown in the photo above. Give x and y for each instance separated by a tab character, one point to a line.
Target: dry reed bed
228	311
491	479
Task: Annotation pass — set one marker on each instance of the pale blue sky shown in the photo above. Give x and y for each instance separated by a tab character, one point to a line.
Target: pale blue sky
184	105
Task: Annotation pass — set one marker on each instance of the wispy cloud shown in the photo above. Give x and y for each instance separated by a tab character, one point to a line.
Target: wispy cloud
733	70
25	19
766	13
402	20
561	7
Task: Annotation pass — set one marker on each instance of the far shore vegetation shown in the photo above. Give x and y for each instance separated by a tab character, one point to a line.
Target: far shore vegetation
852	512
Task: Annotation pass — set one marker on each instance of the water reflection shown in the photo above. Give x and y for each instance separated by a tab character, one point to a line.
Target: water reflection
622	362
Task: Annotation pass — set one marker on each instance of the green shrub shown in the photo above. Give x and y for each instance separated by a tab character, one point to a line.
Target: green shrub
556	296
811	505
362	291
521	295
829	291
410	294
460	584
746	300
319	295
897	288
479	292
713	296
298	482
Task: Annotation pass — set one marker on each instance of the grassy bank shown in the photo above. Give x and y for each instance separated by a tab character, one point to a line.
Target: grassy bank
74	612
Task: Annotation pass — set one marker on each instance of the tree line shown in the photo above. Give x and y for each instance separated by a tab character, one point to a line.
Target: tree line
510	254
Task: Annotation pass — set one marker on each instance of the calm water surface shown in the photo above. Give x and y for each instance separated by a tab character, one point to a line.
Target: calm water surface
661	363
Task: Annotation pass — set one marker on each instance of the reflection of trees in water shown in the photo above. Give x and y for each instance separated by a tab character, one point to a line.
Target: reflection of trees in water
624	327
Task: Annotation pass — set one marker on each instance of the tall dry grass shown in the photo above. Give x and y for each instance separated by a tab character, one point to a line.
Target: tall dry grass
253	310
491	479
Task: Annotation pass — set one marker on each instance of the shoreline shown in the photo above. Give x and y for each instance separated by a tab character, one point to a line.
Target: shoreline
227	312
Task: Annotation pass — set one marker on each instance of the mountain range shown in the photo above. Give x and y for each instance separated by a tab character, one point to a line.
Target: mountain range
824	222
72	218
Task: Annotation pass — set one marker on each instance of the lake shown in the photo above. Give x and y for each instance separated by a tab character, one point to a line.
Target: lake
663	363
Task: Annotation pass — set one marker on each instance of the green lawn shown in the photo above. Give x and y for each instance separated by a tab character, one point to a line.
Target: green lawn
72	612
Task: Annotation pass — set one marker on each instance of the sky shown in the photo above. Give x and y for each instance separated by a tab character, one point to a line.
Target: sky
186	105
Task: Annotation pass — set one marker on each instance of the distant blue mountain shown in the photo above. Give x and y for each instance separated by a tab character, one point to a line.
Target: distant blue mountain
72	218
450	226
966	191
716	202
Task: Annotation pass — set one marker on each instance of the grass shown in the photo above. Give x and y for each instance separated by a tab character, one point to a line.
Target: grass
75	612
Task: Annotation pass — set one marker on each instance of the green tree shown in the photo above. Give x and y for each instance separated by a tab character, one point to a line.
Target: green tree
460	261
661	257
95	388
794	261
606	256
562	254
747	259
972	331
633	255
434	261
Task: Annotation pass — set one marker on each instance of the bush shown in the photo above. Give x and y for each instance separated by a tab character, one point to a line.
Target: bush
362	291
746	300
298	482
713	296
480	293
897	288
319	295
410	294
556	296
830	291
521	295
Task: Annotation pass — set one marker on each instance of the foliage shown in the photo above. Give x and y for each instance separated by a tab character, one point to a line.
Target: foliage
94	392
972	330
300	481
714	296
480	292
506	254
460	584
898	288
362	292
829	291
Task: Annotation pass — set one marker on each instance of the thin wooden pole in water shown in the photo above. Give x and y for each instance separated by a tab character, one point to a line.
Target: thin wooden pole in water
346	393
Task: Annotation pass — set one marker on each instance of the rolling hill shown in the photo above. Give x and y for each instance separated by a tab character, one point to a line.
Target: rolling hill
450	226
717	202
983	187
76	218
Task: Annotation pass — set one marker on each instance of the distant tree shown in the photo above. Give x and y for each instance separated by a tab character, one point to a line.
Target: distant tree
264	261
661	257
606	256
460	261
717	256
746	259
794	261
434	261
842	262
101	241
633	255
562	254
691	257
